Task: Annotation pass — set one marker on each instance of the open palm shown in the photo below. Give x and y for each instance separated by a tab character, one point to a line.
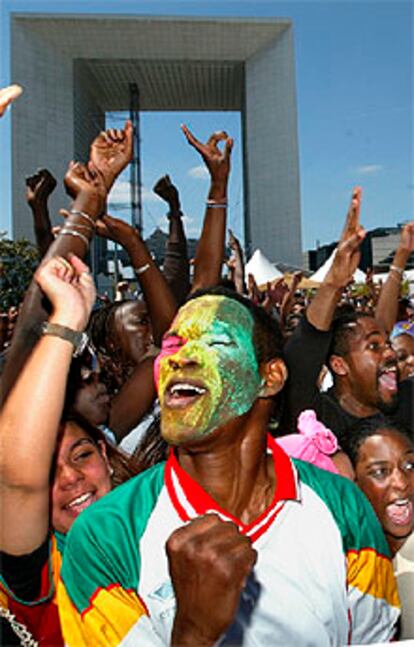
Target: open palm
111	152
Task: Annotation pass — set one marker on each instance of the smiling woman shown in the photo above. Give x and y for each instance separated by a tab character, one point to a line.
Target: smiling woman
384	469
383	459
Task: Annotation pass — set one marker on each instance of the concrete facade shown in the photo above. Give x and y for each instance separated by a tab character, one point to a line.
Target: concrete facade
76	69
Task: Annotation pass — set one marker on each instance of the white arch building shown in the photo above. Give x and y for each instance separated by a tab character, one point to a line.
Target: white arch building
74	69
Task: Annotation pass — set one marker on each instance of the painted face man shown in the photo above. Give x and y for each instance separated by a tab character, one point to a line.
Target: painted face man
208	373
203	547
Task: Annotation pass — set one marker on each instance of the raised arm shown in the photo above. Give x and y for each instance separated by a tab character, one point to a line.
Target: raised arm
237	263
307	348
386	311
289	298
321	310
176	266
110	153
29	420
157	294
210	249
39	187
88	190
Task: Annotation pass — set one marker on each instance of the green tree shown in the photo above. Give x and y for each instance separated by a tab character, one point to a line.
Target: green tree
18	261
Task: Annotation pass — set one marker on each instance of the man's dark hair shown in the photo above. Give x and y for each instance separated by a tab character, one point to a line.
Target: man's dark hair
267	336
357	434
344	329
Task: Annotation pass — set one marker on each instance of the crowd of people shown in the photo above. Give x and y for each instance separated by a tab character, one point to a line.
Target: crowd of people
214	462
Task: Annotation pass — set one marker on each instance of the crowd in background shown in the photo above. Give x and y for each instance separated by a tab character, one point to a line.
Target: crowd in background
330	374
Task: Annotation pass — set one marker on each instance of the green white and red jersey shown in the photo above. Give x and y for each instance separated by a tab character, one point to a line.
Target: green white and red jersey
323	574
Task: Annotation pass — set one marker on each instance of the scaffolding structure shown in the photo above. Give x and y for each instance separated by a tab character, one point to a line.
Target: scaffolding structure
135	166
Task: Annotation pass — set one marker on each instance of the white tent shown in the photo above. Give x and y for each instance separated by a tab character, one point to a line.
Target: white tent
261	269
318	277
380	277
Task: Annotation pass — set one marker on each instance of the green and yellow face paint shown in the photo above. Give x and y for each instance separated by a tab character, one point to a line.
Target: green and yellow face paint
207	373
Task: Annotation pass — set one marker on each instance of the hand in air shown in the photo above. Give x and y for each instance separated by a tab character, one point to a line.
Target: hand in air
216	160
167	191
87	180
407	237
348	253
115	229
69	286
111	152
8	95
39	187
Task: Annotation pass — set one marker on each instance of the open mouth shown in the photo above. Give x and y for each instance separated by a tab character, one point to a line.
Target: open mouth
184	393
103	398
388	379
76	506
400	512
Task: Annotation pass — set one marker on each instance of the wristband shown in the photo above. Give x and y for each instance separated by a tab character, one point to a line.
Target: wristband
395	268
78	339
212	201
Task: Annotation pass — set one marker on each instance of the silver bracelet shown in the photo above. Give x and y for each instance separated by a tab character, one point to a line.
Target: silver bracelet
71	225
142	269
83	215
216	205
72	232
397	269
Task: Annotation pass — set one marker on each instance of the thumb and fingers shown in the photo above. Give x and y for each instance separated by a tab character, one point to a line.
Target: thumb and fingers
8	95
192	140
352	218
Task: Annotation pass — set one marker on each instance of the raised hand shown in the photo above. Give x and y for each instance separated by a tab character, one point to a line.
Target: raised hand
209	562
277	290
234	242
39	187
8	95
348	254
252	290
407	238
112	151
217	161
69	286
115	229
86	180
168	192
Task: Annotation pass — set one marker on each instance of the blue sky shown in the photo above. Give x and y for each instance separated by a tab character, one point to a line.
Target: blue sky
354	75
